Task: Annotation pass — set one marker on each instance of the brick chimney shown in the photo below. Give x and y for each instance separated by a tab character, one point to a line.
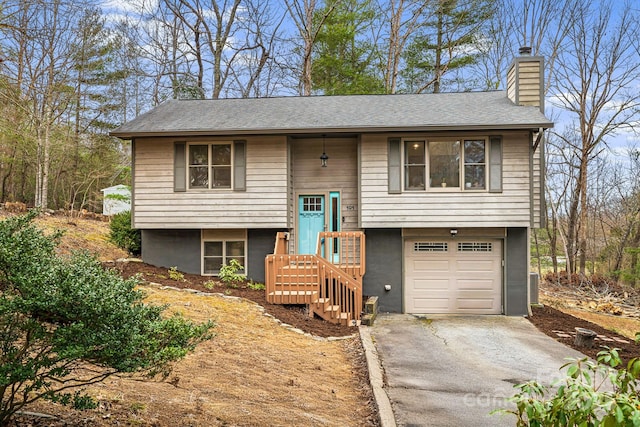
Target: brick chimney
525	79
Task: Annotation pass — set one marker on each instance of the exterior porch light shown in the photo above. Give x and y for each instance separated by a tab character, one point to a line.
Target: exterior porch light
324	157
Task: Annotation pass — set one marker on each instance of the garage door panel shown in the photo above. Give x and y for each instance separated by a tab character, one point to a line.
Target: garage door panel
475	304
432	305
459	277
431	284
476	265
431	266
476	285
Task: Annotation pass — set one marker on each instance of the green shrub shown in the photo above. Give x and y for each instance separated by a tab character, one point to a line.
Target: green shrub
123	235
256	286
600	393
209	284
229	273
58	313
174	274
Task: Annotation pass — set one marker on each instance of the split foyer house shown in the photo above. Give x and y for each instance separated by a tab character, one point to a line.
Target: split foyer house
435	193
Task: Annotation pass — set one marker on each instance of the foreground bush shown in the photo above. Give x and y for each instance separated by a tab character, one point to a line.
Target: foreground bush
593	394
67	323
123	235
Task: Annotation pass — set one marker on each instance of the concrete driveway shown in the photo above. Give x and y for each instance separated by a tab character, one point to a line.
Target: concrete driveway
454	370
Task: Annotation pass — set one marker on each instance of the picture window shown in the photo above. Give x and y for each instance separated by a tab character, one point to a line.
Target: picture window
446	164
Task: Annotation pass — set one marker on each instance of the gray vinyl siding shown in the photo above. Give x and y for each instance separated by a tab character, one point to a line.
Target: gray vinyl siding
262	205
510	208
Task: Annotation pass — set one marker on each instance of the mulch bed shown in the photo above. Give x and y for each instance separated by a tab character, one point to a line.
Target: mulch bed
548	320
545	318
293	315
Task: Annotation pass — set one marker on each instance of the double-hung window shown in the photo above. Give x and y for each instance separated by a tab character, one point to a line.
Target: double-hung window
220	247
209	165
219	253
414	166
475	164
445	164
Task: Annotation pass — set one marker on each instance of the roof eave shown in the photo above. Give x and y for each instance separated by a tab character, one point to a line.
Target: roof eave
301	131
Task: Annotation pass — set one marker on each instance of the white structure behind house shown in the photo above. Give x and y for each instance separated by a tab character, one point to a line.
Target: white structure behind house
116	199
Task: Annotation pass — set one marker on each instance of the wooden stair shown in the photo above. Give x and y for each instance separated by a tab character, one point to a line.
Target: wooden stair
331	290
323	308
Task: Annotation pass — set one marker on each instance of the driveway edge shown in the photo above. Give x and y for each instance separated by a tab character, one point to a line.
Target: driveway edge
385	412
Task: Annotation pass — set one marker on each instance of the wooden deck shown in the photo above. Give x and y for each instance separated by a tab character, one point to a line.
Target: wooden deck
329	282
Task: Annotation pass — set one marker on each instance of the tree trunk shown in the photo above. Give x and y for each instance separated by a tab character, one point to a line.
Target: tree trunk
633	262
393	55
437	65
309	39
553	242
572	229
582	226
46	163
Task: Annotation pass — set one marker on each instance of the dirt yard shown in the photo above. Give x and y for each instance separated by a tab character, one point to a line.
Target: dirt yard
254	372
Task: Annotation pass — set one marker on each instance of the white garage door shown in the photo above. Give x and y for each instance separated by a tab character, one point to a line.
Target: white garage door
453	276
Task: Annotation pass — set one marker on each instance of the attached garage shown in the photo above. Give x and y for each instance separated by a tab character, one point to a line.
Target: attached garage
452	275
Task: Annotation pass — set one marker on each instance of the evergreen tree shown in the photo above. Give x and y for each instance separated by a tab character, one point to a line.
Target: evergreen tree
446	44
344	56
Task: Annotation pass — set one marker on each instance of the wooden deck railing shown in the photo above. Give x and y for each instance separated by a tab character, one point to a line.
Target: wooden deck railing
329	283
339	296
344	249
291	279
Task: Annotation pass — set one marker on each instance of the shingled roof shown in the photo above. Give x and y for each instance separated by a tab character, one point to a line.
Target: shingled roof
354	113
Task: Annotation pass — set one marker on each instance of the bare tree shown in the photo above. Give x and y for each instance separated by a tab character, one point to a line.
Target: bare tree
259	74
541	25
308	24
618	215
596	74
207	48
40	40
404	18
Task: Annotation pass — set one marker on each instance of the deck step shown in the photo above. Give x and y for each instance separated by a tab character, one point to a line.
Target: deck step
292	293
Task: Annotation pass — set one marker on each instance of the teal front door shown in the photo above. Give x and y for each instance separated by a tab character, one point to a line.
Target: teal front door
311	221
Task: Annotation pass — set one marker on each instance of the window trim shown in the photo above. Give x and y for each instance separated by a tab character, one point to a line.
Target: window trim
461	164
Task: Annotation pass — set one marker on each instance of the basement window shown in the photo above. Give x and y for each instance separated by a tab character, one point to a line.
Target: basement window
219	253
